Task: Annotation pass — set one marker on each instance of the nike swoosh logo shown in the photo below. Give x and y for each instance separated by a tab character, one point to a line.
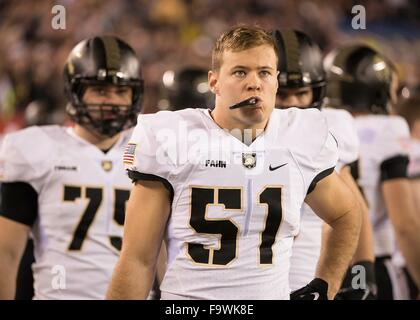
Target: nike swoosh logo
275	168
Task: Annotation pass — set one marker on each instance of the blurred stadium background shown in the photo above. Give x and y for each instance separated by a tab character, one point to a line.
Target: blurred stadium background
171	34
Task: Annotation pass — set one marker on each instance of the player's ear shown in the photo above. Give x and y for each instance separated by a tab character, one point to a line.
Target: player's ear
213	81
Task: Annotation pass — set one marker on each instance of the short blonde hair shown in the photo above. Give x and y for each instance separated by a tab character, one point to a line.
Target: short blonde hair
238	39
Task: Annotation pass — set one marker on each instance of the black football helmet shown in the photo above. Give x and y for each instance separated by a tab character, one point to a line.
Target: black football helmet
187	88
300	64
104	60
359	78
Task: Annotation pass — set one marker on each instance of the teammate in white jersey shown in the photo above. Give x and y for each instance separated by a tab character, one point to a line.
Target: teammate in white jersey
68	185
229	200
409	109
302	84
364	81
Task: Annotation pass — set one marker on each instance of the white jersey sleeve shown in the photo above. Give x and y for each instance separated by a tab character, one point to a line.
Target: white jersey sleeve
149	154
394	135
395	151
20	161
343	128
320	157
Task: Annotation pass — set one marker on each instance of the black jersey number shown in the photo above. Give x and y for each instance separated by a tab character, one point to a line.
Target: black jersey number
94	195
230	198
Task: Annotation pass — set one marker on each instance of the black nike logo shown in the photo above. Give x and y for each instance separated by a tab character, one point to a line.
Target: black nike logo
275	168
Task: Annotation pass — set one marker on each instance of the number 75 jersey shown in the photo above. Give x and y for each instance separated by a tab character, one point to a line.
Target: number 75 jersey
235	207
81	194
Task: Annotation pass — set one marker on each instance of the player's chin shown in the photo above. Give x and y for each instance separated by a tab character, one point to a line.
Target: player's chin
254	114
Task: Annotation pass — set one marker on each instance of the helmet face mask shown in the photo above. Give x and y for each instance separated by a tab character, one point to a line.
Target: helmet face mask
300	64
103	62
102	117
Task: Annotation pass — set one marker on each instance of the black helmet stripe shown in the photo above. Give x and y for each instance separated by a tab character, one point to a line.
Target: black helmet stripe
97	53
280	51
112	53
291	50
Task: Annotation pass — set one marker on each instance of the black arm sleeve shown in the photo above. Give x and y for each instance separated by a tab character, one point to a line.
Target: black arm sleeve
318	178
19	202
394	168
354	169
135	176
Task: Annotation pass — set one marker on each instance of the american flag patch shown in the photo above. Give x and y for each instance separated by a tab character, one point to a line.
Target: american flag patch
130	150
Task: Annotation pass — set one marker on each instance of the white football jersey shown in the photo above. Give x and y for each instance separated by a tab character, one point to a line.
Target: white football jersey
307	244
381	137
413	172
81	199
235	208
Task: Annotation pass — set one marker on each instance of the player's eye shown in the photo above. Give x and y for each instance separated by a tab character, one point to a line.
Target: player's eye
239	73
265	73
301	94
282	94
99	90
122	91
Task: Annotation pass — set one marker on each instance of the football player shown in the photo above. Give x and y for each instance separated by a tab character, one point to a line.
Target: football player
409	109
365	82
302	84
225	188
67	185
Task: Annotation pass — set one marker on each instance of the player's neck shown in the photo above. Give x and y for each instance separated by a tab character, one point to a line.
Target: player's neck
237	129
101	142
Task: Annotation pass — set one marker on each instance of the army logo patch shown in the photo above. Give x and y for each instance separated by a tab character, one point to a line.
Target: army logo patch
107	165
249	160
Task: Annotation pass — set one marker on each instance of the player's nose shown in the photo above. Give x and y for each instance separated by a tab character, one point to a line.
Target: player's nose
112	98
253	82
